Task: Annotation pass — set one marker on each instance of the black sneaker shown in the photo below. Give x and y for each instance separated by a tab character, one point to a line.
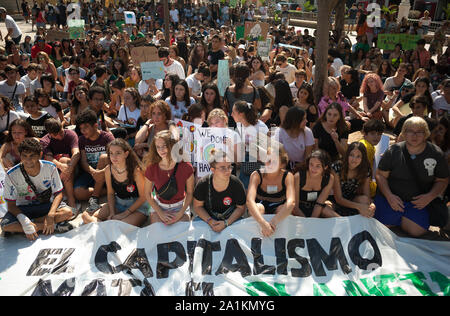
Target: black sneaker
63	227
93	204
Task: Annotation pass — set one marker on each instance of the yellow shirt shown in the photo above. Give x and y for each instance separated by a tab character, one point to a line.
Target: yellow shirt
371	156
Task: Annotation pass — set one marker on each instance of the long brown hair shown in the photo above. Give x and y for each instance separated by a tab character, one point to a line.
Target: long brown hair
153	157
363	170
19	122
132	161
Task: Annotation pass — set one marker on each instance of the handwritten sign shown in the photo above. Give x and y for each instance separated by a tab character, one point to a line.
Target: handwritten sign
256	31
388	41
264	48
76	29
144	54
130	17
153	70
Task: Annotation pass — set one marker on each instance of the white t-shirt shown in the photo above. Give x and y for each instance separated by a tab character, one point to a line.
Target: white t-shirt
175	68
8	91
252	134
180	109
106	43
17	189
440	104
142	87
194	84
132	116
295	147
175	15
337	64
4	120
26	81
289	72
11	24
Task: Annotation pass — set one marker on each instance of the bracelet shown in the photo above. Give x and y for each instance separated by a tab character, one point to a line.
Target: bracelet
226	223
320	204
208	220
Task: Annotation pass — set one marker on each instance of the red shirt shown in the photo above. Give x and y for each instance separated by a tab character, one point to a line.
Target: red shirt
160	177
36	49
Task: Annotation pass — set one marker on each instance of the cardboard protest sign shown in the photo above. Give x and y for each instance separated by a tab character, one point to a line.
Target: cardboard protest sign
152	70
388	41
76	29
223	76
264	48
55	35
130	17
144	54
256	31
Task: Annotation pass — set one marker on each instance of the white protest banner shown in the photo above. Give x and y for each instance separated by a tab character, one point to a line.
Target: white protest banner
223	76
256	31
290	46
130	17
353	256
76	29
187	137
153	70
264	48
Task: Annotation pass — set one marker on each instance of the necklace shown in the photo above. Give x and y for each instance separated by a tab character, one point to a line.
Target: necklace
120	171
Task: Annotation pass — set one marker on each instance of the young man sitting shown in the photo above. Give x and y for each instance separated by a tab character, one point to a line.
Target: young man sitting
33	191
92	143
60	146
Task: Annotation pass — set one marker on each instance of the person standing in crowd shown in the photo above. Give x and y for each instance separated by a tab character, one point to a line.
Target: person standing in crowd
215	54
13	30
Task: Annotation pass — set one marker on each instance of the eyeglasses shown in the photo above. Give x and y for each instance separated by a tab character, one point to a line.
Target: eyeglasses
414	133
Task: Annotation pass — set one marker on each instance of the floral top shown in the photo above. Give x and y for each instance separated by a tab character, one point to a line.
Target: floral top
326	101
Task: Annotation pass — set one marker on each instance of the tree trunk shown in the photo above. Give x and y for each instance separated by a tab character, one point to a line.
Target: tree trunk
339	24
321	51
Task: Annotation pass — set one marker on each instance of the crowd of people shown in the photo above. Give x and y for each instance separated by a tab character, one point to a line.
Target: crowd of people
78	122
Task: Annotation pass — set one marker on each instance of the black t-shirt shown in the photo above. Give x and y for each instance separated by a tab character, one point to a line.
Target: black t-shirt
37	125
430	164
213	59
350	90
326	143
399	126
221	201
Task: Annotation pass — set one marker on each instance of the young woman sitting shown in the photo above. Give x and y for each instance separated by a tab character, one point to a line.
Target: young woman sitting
125	181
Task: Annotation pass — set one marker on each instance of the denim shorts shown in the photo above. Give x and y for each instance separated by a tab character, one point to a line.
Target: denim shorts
386	215
84	180
30	211
123	204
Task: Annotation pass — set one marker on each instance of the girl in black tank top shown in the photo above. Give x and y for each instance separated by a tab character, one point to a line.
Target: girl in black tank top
271	191
313	186
125	184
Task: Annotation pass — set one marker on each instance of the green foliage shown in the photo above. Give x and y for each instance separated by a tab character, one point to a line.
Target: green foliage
308	7
447	11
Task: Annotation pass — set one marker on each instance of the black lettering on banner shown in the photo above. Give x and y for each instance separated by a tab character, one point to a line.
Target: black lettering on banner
318	255
48	257
234	251
206	287
207	258
101	258
280	252
137	260
258	259
125	286
191	249
305	271
44	288
148	289
355	256
95	288
163	267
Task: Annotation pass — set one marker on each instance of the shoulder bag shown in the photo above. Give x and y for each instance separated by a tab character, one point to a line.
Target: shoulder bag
216	215
43	197
168	190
